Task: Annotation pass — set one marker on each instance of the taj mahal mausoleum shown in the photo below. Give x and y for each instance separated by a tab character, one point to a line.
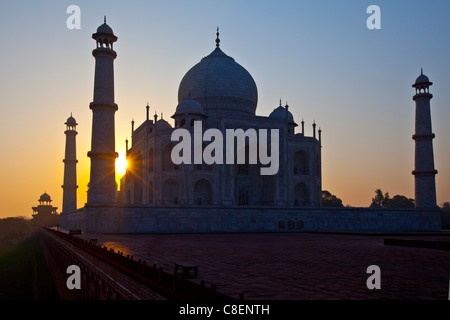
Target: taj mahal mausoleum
159	196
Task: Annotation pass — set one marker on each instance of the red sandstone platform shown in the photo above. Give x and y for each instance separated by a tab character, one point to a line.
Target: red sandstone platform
298	266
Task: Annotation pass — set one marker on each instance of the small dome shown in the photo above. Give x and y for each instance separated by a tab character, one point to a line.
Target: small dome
422	79
191	106
45	197
163	124
282	113
104	28
71	121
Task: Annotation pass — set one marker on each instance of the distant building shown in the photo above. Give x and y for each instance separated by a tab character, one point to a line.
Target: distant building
45	215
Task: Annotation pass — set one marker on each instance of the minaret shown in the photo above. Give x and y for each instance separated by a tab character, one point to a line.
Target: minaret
70	167
102	185
424	173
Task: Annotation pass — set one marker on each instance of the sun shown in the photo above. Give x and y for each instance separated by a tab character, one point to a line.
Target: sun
121	164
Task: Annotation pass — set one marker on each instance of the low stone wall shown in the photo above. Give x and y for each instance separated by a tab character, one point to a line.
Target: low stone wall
142	219
109	275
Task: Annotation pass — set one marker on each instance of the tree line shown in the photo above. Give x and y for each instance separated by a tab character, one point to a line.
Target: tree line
14	230
384	200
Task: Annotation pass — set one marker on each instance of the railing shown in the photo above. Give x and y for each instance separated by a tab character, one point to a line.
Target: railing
106	284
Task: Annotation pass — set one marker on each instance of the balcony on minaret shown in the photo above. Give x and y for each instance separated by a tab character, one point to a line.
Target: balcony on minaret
71	124
104	36
422	84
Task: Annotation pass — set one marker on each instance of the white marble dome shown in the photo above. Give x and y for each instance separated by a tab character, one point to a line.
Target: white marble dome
220	83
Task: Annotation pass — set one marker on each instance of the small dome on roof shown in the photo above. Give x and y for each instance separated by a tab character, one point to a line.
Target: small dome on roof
422	80
163	124
282	113
191	106
71	121
104	28
45	197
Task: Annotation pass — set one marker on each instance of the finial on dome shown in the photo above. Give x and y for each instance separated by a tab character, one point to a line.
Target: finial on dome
217	40
421	71
281	103
104	19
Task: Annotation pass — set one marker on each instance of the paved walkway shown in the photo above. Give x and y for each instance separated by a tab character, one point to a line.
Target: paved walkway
297	266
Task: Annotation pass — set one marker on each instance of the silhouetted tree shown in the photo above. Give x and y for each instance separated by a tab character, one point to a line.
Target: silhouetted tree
446	206
377	201
330	200
445	209
399	201
14	230
385	201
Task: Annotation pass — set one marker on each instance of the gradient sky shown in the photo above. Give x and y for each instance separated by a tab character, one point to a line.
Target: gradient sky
318	56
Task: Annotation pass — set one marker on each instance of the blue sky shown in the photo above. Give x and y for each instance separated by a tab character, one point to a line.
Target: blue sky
317	55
